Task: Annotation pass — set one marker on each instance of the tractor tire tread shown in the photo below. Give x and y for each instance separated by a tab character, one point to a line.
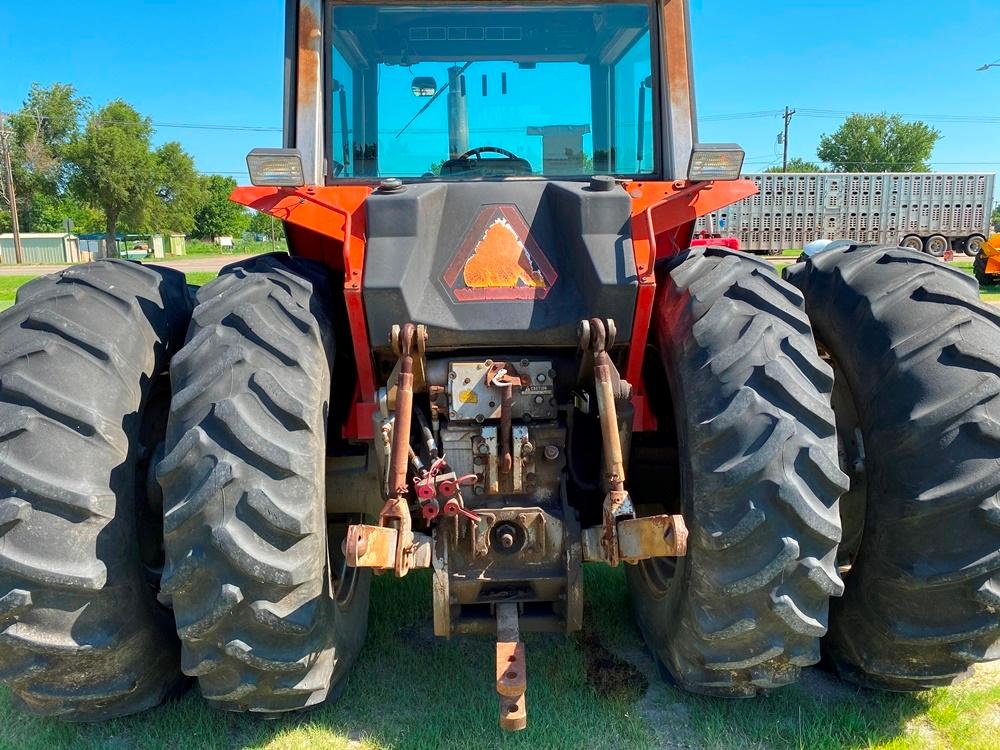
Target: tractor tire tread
81	636
923	364
245	572
754	401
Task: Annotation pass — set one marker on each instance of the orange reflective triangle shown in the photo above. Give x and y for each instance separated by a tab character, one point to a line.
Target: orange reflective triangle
499	259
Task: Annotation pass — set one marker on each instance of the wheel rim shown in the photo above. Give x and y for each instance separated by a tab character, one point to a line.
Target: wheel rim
659	574
343	578
913	243
973	245
937	246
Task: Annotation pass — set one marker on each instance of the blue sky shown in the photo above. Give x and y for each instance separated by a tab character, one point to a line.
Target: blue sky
219	62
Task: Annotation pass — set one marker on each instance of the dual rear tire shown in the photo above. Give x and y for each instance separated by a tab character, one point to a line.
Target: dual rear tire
915	391
237	543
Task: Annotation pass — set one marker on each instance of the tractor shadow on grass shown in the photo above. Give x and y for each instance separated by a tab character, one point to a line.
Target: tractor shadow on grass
599	689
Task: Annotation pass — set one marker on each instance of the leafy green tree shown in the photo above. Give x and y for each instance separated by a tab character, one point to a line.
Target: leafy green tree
114	167
796	164
879	143
179	190
218	216
43	129
265	224
48	214
996	218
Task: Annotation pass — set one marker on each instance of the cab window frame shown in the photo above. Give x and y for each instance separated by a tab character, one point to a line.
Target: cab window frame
657	103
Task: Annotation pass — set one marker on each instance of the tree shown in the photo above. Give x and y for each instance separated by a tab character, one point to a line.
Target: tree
996	218
43	128
49	213
179	191
879	143
218	216
114	167
796	164
261	223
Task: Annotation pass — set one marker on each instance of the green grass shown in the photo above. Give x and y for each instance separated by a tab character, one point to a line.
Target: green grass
10	284
200	278
410	690
201	249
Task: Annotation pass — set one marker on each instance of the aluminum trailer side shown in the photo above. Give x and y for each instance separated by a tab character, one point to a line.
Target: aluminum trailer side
930	212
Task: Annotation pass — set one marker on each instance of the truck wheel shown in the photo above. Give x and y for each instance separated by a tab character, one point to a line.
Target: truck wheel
759	481
920	356
913	242
974	244
267	618
979	269
937	245
83	357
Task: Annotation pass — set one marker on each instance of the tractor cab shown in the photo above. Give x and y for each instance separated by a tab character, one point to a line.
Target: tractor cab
480	90
467	91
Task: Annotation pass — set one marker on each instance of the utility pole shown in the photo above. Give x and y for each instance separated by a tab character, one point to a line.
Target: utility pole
788	120
5	149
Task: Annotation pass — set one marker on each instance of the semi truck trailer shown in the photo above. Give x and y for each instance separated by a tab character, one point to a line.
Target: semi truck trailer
930	212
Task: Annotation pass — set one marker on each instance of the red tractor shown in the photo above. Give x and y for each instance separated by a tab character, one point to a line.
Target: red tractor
491	353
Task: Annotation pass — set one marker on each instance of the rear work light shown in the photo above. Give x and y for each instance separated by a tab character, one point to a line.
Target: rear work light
276	167
715	161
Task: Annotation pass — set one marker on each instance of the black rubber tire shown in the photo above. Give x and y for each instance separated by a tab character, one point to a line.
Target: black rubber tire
244	493
973	244
82	636
979	269
745	609
921	358
937	239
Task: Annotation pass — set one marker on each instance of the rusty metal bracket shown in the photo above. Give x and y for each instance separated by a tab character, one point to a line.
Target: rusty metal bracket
512	677
639	539
375	547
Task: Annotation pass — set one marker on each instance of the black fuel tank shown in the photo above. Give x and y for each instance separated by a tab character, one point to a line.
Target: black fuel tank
508	263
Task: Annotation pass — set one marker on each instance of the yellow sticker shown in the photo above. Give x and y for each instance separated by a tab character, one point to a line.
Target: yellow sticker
468	397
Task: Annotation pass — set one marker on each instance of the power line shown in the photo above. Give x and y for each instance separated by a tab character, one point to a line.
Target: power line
838	113
834	113
179	125
742	115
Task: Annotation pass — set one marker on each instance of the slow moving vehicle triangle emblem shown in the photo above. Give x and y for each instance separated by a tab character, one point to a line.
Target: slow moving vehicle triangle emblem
499	260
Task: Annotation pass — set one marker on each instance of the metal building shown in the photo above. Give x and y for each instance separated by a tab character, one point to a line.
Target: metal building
929	211
41	248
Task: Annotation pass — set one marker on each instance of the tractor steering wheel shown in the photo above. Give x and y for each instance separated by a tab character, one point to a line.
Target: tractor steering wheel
477	152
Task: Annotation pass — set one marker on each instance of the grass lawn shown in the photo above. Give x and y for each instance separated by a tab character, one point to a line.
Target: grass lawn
10	284
595	690
201	249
